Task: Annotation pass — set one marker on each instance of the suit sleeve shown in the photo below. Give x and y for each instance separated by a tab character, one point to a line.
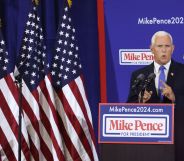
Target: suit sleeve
133	94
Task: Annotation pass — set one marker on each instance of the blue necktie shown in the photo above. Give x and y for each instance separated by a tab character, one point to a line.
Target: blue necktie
160	84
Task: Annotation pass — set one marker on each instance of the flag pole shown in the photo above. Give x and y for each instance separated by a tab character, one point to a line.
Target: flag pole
18	81
0	23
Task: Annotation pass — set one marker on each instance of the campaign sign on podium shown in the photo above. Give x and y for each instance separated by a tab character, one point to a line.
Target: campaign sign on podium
136	123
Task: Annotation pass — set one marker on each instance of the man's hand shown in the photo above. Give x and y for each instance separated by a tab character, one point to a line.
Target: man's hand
168	92
146	96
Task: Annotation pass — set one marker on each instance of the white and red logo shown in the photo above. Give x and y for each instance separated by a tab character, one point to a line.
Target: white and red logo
146	126
135	57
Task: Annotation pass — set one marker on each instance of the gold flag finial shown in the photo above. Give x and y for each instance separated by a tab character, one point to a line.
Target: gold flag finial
69	3
36	2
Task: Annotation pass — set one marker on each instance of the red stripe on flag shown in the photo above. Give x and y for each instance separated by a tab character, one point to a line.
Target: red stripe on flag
33	150
14	126
34	122
71	148
68	143
80	100
47	124
54	113
6	146
74	121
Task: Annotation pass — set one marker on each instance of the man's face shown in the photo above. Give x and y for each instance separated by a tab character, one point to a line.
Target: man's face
162	49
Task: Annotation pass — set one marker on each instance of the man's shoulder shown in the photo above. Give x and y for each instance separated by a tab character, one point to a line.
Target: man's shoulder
178	65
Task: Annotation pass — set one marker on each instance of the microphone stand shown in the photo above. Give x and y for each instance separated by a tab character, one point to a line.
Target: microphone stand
142	94
18	81
144	86
139	91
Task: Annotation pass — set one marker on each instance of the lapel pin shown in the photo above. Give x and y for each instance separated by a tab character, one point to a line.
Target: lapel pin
172	74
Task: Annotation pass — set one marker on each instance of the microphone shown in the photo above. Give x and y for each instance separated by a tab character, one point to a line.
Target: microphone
151	77
147	83
148	80
140	78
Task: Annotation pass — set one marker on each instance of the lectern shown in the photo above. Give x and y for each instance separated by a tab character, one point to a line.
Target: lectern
136	132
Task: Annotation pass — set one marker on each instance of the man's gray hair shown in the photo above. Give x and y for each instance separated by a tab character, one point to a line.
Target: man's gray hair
160	33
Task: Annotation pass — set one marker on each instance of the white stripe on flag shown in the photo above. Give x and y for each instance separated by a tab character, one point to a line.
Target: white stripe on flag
33	133
83	94
71	131
13	107
52	95
10	136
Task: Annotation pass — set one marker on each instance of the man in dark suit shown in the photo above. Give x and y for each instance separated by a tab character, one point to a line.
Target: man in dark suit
167	87
172	89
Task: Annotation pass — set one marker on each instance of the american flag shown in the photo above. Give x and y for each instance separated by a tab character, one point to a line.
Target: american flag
55	108
71	101
38	100
9	112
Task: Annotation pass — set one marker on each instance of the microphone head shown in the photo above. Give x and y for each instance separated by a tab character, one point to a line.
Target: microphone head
140	77
151	77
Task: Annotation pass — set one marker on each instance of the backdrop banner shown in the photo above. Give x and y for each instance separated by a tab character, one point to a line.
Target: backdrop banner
129	28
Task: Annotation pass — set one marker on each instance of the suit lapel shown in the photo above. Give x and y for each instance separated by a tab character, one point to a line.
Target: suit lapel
152	85
171	74
170	78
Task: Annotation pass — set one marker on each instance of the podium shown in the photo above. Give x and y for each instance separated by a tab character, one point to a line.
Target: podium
128	151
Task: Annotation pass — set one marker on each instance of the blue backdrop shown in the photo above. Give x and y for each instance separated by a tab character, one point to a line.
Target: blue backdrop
124	31
14	14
